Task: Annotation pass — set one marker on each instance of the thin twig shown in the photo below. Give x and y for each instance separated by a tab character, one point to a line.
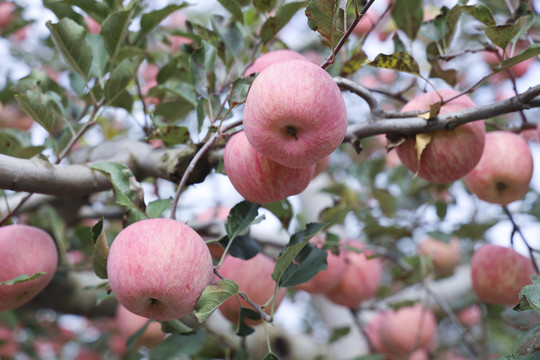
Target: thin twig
517	230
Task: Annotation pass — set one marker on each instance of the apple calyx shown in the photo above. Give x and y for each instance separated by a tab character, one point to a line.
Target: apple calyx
291	130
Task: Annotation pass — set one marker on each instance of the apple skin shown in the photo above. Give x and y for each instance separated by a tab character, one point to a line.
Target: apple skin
158	268
295	113
254	277
451	154
470	315
366	23
129	323
259	179
499	273
361	277
25	250
445	256
272	57
505	170
325	281
6	14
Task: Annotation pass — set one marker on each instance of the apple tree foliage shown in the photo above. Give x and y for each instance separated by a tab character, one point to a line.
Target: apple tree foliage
97	98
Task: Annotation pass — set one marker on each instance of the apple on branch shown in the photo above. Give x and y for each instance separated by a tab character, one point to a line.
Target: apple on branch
499	273
254	277
295	114
504	172
272	57
25	250
449	155
259	179
158	268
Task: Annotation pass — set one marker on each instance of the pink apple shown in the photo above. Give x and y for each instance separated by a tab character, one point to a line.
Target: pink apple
158	268
25	250
366	23
361	276
295	113
259	179
6	14
470	315
499	273
12	116
373	332
327	280
129	323
518	70
321	166
445	256
272	57
450	154
505	170
93	26
254	277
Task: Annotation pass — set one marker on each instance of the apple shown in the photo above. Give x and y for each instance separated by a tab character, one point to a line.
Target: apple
259	179
327	280
445	256
450	155
254	277
366	23
295	113
25	250
129	323
505	169
499	273
93	26
361	276
158	268
321	166
272	57
8	344
13	117
6	14
518	70
470	315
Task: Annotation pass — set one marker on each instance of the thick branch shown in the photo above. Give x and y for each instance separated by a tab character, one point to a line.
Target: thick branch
449	121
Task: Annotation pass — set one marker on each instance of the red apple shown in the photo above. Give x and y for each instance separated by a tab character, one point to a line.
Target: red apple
470	315
366	23
321	166
12	116
158	268
505	170
6	14
327	280
129	323
25	250
499	273
361	276
295	113
272	57
254	277
259	179
445	256
450	154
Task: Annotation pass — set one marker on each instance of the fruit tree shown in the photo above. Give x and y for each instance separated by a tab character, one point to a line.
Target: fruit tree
264	179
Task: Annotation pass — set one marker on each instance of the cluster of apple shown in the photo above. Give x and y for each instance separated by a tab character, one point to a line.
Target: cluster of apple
294	118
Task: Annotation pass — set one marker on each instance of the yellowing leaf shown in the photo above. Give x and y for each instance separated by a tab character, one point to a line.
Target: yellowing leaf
424	115
422	141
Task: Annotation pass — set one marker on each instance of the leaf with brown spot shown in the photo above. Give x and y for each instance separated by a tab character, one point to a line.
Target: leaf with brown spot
422	141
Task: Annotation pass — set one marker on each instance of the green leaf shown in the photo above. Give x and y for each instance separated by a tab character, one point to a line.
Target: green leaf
179	345
400	61
212	297
275	23
322	16
521	320
171	134
338	333
240	90
101	250
529	297
387	202
131	341
282	210
128	191
40	107
234	8
174	110
242	328
202	63
120	77
264	5
408	16
70	39
114	30
501	35
22	278
271	356
286	272
481	13
152	19
242	215
532	50
528	343
175	327
243	246
62	10
156	208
